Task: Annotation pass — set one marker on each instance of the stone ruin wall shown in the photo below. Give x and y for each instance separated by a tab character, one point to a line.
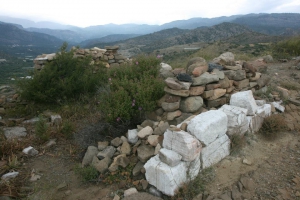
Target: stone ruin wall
108	56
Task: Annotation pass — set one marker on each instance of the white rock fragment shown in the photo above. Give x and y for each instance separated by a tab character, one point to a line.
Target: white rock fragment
10	175
244	100
255	123
237	120
130	191
278	106
132	136
56	119
208	126
183	143
30	151
169	157
215	152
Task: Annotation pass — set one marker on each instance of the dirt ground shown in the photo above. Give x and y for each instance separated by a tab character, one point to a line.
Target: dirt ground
270	169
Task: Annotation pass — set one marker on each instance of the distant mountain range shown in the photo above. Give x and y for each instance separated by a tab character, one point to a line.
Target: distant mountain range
15	31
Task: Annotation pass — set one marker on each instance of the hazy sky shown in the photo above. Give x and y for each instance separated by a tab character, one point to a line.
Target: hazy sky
96	12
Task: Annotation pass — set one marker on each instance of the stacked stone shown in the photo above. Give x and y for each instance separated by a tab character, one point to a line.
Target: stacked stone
109	56
204	86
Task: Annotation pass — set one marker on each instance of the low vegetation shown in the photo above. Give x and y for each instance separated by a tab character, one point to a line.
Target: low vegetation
287	48
273	126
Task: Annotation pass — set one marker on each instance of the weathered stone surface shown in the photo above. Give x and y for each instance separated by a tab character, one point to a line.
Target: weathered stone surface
30	151
162	176
199	70
153	140
102	145
263	80
205	79
170	99
191	104
107	152
165	67
120	160
216	103
244	100
194	63
237	120
137	168
157	149
89	154
169	157
182	93
226	58
260	102
169	107
184	77
212	86
255	123
116	142
237	75
125	148
241	84
132	136
183	143
161	128
101	165
166	74
130	191
147	122
14	132
212	66
207	94
278	106
256	77
194	168
145	132
185	85
142	196
173	83
236	67
219	73
145	152
215	151
197	90
173	115
208	126
217	94
177	71
267	109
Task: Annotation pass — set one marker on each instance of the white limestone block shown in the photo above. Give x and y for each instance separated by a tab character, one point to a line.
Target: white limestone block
194	168
169	157
183	143
165	178
215	152
268	109
255	123
208	126
237	120
244	100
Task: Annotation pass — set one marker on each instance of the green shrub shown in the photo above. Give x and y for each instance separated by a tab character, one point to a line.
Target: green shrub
41	129
133	90
67	129
273	126
87	174
287	48
64	78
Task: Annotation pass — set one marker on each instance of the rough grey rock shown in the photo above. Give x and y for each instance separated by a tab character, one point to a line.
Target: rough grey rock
89	155
14	132
132	136
145	152
101	165
107	152
102	145
205	79
169	107
191	104
236	75
116	142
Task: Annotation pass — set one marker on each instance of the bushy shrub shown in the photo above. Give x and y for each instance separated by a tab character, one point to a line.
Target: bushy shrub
287	48
133	90
88	174
63	79
273	126
41	129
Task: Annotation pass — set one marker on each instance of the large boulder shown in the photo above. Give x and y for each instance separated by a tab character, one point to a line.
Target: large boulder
237	119
244	100
208	126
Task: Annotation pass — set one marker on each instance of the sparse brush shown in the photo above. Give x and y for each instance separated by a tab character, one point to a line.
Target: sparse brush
41	129
67	129
13	162
273	126
88	174
237	142
290	85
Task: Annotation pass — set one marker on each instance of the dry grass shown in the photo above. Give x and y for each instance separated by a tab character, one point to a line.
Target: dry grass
273	126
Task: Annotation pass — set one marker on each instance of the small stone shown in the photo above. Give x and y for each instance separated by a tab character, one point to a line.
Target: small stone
144	184
116	197
62	186
132	136
145	132
89	154
30	151
173	115
107	152
247	162
102	145
153	140
125	148
145	152
116	142
10	175
130	191
155	192
137	168
157	148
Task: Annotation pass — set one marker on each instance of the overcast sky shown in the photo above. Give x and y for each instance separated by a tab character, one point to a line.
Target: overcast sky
85	13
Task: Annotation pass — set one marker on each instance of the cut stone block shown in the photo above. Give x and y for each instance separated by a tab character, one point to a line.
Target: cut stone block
169	157
165	178
208	126
244	100
237	120
255	123
183	143
215	152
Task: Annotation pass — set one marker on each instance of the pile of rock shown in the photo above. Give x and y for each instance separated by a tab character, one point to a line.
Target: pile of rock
201	85
108	56
173	155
